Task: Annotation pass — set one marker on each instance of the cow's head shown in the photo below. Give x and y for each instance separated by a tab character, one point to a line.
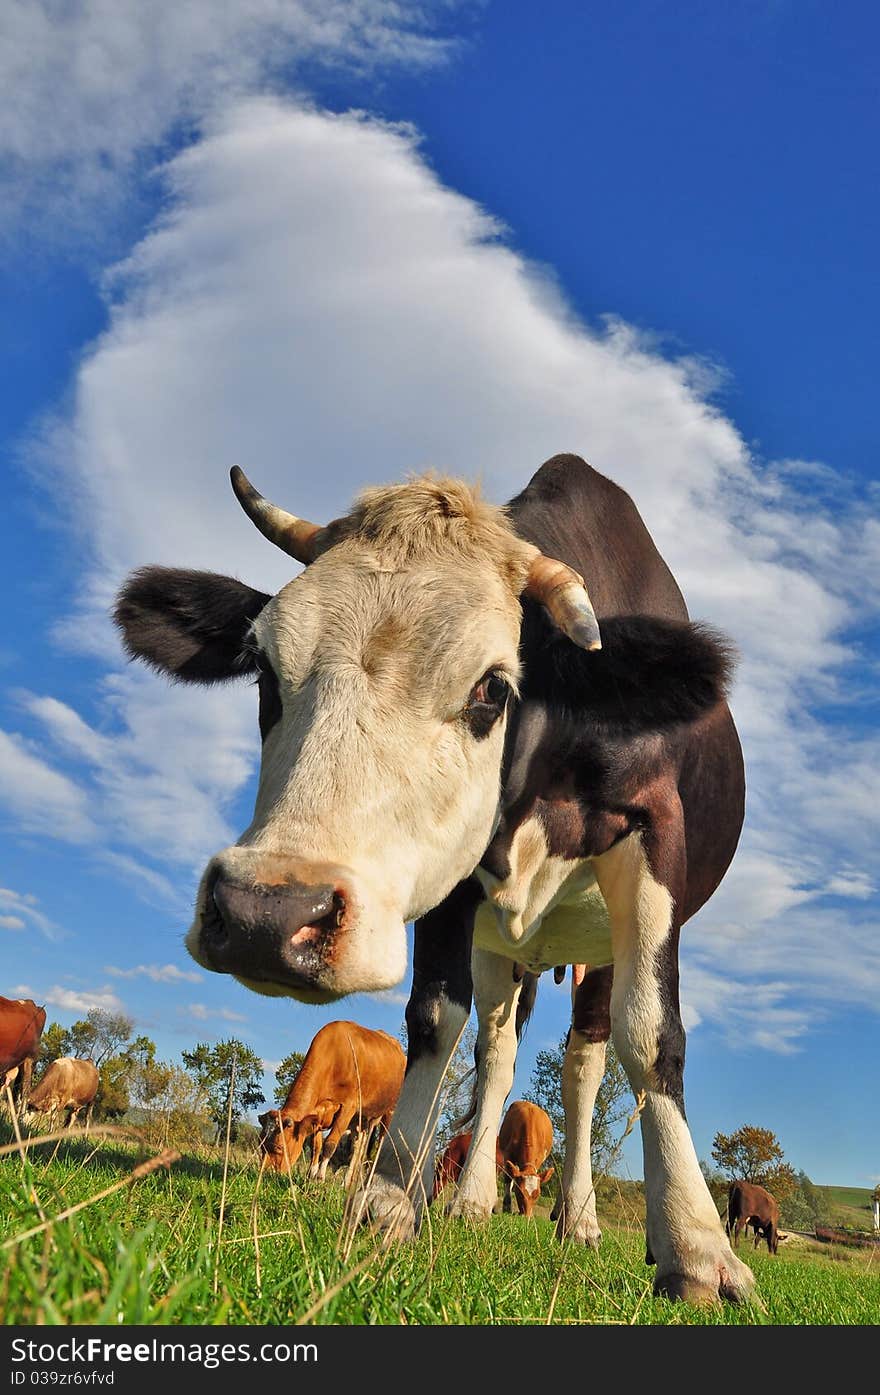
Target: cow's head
281	1142
527	1184
385	669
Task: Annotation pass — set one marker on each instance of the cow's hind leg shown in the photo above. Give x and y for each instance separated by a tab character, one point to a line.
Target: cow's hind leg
642	881
496	993
399	1186
583	1067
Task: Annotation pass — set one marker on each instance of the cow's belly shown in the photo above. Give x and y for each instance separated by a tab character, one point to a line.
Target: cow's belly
576	931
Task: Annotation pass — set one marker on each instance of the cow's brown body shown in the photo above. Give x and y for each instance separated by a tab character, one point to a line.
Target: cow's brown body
524	1142
68	1085
749	1204
21	1026
349	1081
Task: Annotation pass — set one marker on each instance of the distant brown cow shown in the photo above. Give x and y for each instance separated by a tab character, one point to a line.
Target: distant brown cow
452	1160
749	1204
524	1141
68	1083
21	1026
350	1080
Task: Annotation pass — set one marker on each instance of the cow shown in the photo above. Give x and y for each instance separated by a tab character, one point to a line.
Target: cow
457	733
524	1142
751	1205
68	1084
21	1026
349	1080
449	1165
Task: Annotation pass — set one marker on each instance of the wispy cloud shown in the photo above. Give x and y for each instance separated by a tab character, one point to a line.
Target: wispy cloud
73	1000
87	88
159	973
36	798
201	1013
21	909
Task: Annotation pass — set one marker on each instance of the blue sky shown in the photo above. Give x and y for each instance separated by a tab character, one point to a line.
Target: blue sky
334	243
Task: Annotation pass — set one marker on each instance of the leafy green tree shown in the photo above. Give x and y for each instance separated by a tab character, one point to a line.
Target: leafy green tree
53	1043
211	1067
99	1035
286	1073
753	1154
613	1102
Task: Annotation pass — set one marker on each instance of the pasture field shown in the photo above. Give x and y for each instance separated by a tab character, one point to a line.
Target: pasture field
176	1247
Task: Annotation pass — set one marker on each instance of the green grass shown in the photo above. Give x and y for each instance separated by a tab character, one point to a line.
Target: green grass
149	1254
848	1206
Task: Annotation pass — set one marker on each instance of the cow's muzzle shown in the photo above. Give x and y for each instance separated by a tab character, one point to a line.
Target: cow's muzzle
280	935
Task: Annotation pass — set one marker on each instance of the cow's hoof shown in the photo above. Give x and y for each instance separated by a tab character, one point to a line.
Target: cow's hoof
469	1210
386	1209
734	1282
588	1235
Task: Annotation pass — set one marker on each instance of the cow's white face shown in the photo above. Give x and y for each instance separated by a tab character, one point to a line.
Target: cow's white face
380	773
385	672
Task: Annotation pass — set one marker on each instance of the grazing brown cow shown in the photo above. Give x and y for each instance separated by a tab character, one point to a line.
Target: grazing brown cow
21	1026
525	1139
350	1079
452	1160
749	1204
68	1083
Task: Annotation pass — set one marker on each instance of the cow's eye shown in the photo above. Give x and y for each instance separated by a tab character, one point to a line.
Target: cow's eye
491	691
486	702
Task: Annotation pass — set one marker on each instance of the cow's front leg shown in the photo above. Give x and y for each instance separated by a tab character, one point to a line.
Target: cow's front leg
642	881
400	1184
496	993
583	1067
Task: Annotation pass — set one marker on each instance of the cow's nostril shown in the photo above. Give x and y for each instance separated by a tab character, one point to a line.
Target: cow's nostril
324	918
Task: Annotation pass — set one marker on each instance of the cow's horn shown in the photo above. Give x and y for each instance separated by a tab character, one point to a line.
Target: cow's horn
295	536
564	596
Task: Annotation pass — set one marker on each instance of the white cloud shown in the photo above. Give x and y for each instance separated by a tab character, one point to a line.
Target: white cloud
71	1000
202	1013
38	798
315	305
87	87
159	973
21	909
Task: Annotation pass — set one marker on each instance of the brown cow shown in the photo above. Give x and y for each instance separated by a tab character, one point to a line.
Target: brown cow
749	1204
68	1083
21	1026
524	1141
350	1079
452	1160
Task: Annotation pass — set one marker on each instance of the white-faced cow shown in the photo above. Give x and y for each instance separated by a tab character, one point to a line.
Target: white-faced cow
524	1142
751	1205
21	1026
68	1085
448	738
349	1081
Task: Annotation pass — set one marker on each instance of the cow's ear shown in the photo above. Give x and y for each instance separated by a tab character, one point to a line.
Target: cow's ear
544	1177
187	624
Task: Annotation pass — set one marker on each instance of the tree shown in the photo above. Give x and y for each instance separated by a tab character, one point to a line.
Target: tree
286	1073
99	1035
53	1043
211	1069
753	1154
611	1108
